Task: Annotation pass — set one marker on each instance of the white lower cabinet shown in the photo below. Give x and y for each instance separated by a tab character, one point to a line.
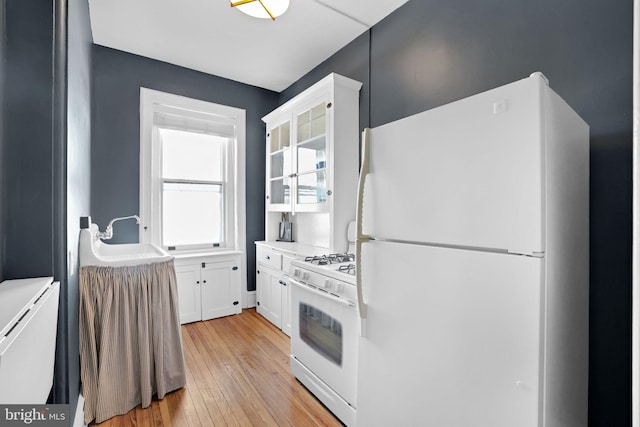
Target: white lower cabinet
286	305
269	294
272	287
208	287
188	281
273	297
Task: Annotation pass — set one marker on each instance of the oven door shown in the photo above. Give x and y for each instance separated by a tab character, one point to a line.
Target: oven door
324	337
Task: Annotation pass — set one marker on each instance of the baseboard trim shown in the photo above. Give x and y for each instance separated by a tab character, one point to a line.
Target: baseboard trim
251	299
78	419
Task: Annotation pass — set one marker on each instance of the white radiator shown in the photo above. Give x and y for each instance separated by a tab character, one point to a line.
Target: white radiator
28	322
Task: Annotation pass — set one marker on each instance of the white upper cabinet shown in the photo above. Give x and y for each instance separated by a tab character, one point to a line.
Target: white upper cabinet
279	166
312	147
310	180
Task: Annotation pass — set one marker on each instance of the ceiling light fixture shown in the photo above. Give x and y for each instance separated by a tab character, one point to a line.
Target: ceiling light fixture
262	8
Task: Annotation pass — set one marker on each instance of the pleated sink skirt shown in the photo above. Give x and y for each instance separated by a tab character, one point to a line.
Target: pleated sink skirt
130	340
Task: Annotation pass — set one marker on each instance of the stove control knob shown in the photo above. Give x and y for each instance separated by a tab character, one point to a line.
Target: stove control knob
339	287
296	273
305	276
327	285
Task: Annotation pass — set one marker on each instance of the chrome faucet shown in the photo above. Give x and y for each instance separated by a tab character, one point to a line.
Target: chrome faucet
108	233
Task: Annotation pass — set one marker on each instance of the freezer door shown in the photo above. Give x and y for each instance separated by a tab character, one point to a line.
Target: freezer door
453	338
468	173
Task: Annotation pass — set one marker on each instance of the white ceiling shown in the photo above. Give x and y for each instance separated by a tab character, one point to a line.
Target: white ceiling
212	37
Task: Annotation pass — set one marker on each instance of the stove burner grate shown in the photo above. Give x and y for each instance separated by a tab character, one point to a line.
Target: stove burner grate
349	269
330	259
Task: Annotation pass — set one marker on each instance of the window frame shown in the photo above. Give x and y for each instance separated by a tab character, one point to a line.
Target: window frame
151	180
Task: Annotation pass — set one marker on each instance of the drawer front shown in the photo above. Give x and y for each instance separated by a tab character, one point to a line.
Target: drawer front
268	257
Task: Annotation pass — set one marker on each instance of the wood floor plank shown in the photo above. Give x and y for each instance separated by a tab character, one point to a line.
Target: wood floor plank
291	397
270	378
219	409
156	415
218	361
237	371
141	417
204	406
244	393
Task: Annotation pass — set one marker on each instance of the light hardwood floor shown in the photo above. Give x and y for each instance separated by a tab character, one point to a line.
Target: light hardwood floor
237	375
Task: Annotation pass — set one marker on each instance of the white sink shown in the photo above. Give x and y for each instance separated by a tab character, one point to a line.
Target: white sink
94	252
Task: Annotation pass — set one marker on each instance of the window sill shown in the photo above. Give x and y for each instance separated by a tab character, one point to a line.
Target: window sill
204	253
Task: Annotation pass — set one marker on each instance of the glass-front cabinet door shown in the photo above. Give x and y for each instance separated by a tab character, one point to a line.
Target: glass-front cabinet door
298	161
311	163
280	167
311	159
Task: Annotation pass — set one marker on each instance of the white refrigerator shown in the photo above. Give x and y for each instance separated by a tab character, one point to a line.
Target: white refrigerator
472	257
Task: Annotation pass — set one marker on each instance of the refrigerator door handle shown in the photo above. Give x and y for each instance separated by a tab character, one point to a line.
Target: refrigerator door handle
360	237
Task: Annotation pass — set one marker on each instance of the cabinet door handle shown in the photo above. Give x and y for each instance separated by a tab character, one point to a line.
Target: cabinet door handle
204	281
282	283
197	282
268	257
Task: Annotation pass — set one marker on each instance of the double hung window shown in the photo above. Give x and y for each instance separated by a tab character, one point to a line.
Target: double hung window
192	173
193	188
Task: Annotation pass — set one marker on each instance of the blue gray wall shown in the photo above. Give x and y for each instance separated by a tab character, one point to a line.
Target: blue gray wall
431	52
3	74
27	140
115	153
455	49
352	61
76	182
45	48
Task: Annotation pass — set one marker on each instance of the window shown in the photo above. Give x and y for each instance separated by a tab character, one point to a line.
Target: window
191	174
193	188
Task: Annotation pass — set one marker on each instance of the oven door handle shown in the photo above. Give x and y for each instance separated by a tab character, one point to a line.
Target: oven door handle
322	294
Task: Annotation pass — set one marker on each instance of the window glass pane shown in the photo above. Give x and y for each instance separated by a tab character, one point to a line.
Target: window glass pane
280	191
280	137
275	139
192	156
192	214
281	163
318	120
312	155
304	127
312	188
285	135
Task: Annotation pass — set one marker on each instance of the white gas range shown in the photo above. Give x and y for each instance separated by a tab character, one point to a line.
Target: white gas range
328	272
325	330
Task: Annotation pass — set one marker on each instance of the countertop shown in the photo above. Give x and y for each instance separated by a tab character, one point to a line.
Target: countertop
18	295
294	248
